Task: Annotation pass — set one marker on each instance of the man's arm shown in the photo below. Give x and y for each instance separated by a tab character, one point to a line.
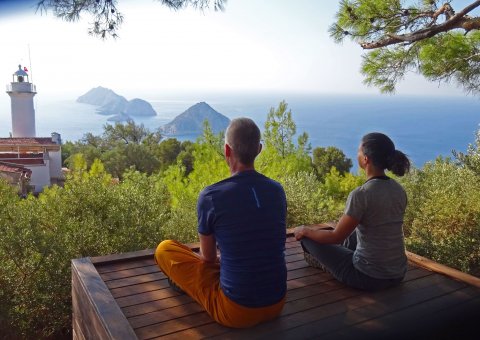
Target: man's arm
208	247
344	228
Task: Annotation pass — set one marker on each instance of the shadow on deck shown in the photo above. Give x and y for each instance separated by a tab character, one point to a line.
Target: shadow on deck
125	296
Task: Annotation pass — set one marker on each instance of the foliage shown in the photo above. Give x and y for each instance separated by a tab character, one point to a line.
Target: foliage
106	17
91	215
442	221
310	201
428	37
184	186
280	129
471	159
280	157
326	158
126	146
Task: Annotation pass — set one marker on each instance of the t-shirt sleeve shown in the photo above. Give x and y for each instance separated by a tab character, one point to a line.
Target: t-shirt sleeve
206	214
356	204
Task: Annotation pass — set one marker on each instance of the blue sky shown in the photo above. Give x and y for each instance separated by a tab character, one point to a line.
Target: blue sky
270	45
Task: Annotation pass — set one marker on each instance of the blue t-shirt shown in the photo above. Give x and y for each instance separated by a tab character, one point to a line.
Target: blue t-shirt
247	214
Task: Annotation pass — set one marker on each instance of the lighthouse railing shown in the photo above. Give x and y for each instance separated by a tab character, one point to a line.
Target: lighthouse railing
21	87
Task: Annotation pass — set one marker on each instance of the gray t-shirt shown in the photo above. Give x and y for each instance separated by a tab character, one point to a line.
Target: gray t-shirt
379	205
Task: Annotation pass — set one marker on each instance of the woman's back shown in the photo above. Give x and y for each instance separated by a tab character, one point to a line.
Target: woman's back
379	205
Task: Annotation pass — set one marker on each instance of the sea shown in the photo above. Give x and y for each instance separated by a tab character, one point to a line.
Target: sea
423	127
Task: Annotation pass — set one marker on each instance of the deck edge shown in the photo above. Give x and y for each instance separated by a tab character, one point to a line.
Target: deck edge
138	254
443	269
95	313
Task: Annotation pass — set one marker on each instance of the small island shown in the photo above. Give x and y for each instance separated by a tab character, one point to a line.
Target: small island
191	121
112	104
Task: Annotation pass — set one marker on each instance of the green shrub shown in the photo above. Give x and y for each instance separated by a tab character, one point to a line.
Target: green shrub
442	221
90	216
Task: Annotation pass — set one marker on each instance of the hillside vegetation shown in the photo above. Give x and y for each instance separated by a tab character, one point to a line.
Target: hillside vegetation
155	195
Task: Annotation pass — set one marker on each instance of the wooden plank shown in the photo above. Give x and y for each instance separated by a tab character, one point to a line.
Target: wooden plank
295	244
442	269
308	280
132	263
433	316
152	301
135	280
139	288
301	272
151	304
157	305
165	315
372	306
139	254
122	274
95	313
294	250
307	311
329	303
294	257
333	284
146	266
172	326
200	332
144	297
154	317
149	296
186	330
114	258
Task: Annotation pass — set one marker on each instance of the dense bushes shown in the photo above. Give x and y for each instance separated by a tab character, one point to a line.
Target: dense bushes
90	216
443	215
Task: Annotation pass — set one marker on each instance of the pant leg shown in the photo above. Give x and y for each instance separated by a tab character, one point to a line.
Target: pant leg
201	281
338	260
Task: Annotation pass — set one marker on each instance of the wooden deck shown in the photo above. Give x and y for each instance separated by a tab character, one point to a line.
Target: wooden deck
125	296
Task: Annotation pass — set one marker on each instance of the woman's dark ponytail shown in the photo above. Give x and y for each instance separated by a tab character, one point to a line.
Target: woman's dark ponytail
399	164
381	150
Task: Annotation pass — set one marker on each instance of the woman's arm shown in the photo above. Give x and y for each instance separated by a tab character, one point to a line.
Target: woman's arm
344	228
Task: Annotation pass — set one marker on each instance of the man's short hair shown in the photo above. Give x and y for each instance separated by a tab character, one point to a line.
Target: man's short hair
243	136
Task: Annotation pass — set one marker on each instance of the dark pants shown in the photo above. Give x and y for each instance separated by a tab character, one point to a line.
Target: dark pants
337	259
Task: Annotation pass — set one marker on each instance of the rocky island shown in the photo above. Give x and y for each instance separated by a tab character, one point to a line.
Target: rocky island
191	121
112	104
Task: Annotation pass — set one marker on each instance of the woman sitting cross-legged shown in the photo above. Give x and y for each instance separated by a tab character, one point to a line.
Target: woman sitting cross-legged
366	248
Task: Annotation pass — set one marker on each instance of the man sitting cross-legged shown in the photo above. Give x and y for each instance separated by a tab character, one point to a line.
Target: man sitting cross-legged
245	215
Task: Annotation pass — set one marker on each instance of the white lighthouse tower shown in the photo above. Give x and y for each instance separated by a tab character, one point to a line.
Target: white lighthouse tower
21	92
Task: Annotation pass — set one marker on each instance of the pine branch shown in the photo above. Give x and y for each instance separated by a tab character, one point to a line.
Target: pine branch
458	20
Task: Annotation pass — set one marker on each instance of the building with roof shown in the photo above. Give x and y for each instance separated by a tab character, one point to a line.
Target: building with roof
28	161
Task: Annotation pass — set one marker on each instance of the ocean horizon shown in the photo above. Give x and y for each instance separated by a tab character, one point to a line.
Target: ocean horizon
422	127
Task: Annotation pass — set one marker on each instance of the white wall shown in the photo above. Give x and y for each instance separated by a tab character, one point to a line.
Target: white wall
40	176
56	164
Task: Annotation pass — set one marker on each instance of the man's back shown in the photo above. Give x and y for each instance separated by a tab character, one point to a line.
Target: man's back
247	215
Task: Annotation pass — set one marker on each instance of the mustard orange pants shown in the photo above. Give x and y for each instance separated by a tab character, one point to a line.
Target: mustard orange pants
201	281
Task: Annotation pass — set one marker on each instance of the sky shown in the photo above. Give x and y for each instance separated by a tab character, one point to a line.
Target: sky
253	46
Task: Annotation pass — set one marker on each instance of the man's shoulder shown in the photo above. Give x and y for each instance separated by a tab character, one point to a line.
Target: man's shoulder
231	182
215	187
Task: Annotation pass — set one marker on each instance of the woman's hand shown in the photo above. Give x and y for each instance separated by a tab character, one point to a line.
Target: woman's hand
299	232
